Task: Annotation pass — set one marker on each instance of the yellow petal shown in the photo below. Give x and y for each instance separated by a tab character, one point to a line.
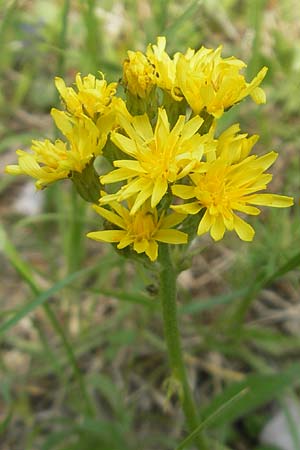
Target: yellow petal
258	78
125	241
218	229
183	191
274	200
172	219
142	197
13	169
143	127
177	129
152	250
134	186
265	161
188	208
107	235
191	127
244	231
205	224
62	121
60	86
171	236
124	143
159	190
110	216
108	198
133	166
29	166
258	95
116	175
140	246
245	208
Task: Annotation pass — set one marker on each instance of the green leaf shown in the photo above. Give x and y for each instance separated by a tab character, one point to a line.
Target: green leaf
211	418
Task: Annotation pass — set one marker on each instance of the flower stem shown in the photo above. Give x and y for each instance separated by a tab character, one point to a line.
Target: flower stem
169	309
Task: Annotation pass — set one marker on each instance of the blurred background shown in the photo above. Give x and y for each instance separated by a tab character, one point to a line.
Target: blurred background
83	362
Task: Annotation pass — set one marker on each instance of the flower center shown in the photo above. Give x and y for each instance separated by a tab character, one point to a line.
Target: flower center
143	226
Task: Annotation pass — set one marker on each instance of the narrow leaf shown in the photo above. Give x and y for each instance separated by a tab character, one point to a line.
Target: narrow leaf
211	418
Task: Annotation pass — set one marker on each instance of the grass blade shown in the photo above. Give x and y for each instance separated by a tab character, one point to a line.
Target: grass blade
211	418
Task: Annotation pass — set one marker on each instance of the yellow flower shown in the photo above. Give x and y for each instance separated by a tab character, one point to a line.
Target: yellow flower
138	74
158	158
223	188
49	161
208	81
141	230
165	67
93	96
46	163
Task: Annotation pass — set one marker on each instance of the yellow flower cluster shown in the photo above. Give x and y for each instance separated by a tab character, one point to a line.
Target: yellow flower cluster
203	78
167	161
90	116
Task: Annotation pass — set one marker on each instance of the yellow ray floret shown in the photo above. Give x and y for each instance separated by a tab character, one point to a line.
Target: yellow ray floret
92	95
165	67
158	158
210	82
49	161
141	230
223	188
138	74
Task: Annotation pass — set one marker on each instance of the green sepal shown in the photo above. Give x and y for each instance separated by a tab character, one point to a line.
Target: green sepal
208	121
87	183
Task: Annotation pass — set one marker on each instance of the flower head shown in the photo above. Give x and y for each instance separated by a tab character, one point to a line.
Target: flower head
138	74
158	158
93	95
49	161
208	81
141	230
222	187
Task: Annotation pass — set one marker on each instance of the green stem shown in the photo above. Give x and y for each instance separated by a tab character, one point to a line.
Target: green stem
169	309
74	237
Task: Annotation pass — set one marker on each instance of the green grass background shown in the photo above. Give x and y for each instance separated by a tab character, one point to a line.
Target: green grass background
83	362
